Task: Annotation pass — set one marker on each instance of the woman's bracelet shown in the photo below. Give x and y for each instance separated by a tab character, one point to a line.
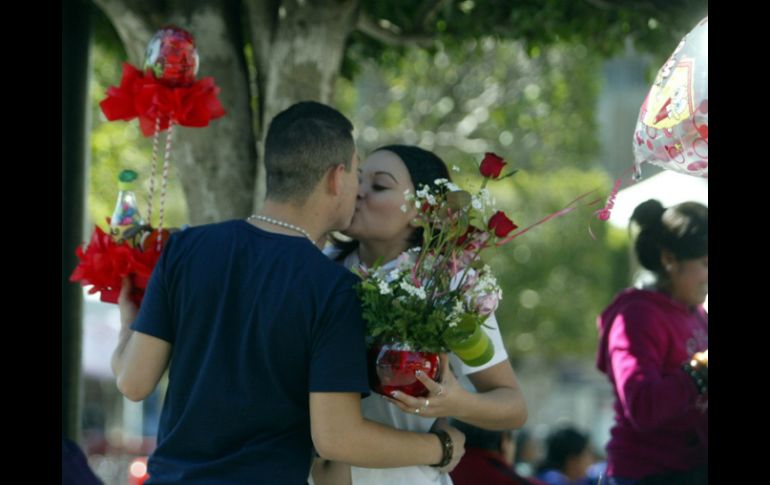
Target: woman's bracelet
446	446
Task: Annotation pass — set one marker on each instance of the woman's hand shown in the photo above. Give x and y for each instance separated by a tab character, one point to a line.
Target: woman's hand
698	369
443	399
702	358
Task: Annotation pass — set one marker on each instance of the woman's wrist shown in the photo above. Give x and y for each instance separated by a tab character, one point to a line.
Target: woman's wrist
698	371
447	447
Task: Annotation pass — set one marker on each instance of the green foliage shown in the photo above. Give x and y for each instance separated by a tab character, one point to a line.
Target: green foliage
399	316
556	279
488	96
602	26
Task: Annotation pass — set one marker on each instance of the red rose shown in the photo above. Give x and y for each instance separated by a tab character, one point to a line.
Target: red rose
501	224
491	166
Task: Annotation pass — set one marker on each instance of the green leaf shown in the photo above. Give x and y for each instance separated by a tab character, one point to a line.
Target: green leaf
458	199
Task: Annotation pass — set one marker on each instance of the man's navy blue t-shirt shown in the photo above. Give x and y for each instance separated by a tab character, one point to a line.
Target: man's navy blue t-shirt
256	321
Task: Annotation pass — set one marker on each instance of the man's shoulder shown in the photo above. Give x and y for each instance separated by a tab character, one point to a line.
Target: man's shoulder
187	233
331	273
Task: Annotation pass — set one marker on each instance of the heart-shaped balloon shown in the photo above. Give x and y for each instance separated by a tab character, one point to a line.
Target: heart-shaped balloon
673	126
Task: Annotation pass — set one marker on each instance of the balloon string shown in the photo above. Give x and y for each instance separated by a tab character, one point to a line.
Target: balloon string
604	213
164	185
155	141
566	210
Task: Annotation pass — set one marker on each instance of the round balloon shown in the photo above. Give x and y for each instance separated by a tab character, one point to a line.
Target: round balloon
172	57
673	126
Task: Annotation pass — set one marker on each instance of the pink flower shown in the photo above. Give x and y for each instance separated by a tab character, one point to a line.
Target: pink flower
486	304
362	270
479	240
470	281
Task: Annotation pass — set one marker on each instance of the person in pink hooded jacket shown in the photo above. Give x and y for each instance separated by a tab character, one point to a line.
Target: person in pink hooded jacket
654	349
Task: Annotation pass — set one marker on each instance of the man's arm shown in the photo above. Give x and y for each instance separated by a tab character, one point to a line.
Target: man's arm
139	360
340	433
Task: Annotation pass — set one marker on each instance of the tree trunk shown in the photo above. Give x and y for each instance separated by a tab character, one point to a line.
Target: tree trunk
298	47
216	164
298	51
76	40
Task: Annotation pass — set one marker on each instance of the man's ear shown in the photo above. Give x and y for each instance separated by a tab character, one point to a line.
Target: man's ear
335	179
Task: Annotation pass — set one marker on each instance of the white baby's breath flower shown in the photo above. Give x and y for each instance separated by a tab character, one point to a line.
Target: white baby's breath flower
455	168
486	285
413	290
384	288
459	307
403	208
393	275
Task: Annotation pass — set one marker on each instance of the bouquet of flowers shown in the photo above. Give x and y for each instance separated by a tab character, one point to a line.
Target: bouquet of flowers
438	296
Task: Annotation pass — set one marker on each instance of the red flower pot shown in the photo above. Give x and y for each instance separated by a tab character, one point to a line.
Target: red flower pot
392	367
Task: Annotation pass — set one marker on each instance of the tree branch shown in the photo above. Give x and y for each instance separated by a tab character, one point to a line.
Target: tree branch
390	36
635	5
601	4
427	12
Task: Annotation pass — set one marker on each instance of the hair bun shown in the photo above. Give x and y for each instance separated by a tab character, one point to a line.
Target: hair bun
648	213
